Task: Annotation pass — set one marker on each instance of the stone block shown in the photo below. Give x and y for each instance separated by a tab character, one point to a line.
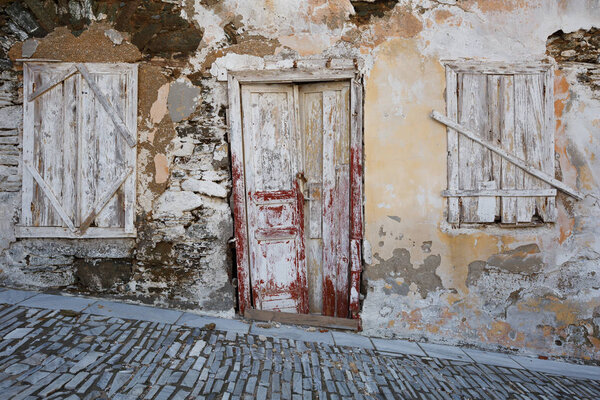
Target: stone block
11	118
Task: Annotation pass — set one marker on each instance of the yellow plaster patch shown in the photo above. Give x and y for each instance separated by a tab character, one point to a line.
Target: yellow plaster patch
159	107
161	167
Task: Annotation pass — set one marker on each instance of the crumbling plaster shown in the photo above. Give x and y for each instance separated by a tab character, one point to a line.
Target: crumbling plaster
534	289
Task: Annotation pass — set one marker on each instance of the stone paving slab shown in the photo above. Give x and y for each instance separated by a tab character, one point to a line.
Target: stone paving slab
134	311
445	352
558	368
398	346
292	332
12	296
497	359
200	321
351	340
56	302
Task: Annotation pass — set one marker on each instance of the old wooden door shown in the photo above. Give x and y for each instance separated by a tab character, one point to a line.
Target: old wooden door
273	197
296	167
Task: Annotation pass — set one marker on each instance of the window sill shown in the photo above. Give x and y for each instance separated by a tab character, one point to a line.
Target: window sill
55	232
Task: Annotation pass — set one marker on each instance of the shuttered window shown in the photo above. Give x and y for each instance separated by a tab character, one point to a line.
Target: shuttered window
510	107
79	137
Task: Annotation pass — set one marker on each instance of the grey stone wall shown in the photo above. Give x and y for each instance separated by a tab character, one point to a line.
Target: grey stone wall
181	256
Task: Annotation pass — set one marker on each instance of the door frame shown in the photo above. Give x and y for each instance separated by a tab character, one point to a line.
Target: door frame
234	81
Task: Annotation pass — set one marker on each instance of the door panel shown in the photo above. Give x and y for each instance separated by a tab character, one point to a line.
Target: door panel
274	203
325	124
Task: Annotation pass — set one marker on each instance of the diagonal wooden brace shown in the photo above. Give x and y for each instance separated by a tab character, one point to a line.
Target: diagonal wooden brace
48	191
103	201
507	156
113	113
49	85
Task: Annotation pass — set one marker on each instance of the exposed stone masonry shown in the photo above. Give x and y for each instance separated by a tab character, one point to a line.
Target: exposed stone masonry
181	255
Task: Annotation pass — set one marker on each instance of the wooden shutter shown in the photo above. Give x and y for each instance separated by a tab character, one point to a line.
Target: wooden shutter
79	161
514	112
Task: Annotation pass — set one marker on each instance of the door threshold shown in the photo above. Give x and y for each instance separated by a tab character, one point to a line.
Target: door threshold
303	319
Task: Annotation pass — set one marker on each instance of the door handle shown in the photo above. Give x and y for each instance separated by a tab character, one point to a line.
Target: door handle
301	180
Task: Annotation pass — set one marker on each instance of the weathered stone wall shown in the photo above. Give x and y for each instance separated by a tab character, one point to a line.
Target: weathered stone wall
533	289
181	256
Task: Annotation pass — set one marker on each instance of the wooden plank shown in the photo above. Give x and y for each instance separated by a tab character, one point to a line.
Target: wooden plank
311	120
548	210
48	191
51	83
129	188
535	132
310	108
342	167
494	104
472	113
525	205
355	270
103	200
28	146
496	68
501	192
302	319
113	113
40	205
356	193
507	140
49	162
88	150
292	76
356	159
110	157
239	194
69	147
331	221
516	161
61	232
452	143
342	200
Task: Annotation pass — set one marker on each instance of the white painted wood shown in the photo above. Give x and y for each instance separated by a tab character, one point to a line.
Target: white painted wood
452	143
50	84
507	143
535	134
129	188
516	161
270	158
48	191
113	112
60	232
525	206
28	143
239	193
70	145
497	68
472	113
103	200
291	76
68	142
494	122
336	196
548	209
325	122
501	192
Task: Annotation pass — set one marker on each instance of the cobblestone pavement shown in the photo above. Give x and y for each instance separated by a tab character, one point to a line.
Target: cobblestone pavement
65	354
